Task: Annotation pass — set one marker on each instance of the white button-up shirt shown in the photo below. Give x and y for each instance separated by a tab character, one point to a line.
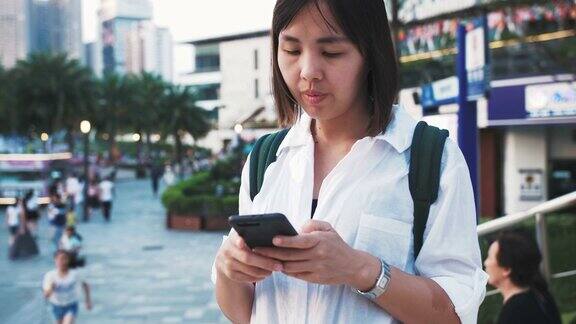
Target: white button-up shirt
367	200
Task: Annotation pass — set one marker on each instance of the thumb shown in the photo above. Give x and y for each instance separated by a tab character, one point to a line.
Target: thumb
315	225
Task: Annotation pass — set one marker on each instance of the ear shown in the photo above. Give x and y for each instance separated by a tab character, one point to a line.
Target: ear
506	272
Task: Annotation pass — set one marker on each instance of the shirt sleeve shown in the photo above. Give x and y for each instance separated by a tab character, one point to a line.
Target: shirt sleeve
244	205
47	281
450	254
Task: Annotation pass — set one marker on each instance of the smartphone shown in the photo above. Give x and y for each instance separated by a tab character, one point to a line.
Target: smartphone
259	230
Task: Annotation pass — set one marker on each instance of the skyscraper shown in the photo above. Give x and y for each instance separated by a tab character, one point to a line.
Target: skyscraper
56	27
13	31
131	43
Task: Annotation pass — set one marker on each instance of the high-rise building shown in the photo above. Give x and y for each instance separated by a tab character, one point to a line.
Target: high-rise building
131	43
55	26
13	31
164	57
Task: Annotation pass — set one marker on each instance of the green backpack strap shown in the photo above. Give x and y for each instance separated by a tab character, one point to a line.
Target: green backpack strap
424	176
263	154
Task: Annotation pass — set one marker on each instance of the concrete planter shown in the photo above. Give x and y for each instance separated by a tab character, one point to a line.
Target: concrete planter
216	223
184	222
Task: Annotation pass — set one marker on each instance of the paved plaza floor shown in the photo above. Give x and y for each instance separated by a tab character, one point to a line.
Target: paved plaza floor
139	271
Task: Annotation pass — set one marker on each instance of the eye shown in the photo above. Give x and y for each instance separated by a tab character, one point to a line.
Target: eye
331	54
293	52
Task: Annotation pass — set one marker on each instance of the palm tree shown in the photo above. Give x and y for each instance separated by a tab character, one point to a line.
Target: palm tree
151	89
180	116
53	93
5	125
116	96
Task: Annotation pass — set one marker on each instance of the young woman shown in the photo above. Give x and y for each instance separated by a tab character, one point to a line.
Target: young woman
513	267
335	80
61	287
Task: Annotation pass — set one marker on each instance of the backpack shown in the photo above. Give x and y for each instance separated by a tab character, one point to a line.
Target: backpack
423	177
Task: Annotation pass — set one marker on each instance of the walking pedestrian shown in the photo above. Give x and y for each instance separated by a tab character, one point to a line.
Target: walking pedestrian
71	242
169	176
513	266
155	175
72	190
61	287
106	190
366	251
14	220
31	211
93	199
57	217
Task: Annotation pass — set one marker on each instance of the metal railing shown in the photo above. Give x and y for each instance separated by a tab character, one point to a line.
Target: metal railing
539	212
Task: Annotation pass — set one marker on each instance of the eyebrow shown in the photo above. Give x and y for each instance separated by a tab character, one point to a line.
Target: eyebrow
322	40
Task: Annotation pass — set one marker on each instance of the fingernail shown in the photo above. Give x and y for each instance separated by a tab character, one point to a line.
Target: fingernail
277	241
278	267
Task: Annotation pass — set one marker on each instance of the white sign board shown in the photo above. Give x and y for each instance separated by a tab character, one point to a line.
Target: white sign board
552	99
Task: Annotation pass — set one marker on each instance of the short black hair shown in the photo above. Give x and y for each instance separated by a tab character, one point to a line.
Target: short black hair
366	25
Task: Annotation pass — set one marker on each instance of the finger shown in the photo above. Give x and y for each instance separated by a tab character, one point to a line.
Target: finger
239	243
255	260
242	277
301	241
295	267
249	270
284	254
316	225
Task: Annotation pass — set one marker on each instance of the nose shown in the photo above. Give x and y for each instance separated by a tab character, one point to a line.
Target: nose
310	68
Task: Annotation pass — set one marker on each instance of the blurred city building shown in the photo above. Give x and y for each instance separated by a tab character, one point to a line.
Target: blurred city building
13	31
130	41
232	78
33	26
527	124
56	27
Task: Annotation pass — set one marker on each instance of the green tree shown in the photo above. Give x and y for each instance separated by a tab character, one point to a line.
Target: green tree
53	93
115	99
151	89
181	116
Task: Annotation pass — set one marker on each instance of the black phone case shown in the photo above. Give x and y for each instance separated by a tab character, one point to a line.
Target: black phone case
259	230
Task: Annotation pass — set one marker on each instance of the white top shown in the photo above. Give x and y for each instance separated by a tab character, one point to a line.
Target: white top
367	200
13	215
72	186
66	289
106	187
70	243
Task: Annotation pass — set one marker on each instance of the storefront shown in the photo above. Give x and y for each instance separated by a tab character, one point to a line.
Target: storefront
529	142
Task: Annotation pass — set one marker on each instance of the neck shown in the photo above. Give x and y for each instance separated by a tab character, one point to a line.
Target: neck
62	271
346	128
508	289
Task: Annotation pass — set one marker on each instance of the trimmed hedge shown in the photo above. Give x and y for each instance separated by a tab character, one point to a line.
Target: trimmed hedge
203	195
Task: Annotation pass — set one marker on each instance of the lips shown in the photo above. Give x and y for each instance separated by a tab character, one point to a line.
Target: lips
313	97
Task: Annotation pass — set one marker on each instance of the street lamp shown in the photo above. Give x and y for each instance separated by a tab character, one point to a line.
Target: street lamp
44	137
85	129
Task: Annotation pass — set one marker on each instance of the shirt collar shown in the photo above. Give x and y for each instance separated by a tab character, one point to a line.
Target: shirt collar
398	133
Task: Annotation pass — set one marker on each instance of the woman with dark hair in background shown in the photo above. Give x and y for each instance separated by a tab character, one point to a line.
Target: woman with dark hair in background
513	267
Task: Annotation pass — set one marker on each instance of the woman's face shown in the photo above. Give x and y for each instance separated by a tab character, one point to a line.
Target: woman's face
495	272
324	71
62	261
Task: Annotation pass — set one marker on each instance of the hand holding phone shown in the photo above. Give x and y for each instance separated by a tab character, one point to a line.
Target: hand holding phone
236	261
259	230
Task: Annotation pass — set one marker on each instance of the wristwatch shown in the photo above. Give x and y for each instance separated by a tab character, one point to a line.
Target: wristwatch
381	283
